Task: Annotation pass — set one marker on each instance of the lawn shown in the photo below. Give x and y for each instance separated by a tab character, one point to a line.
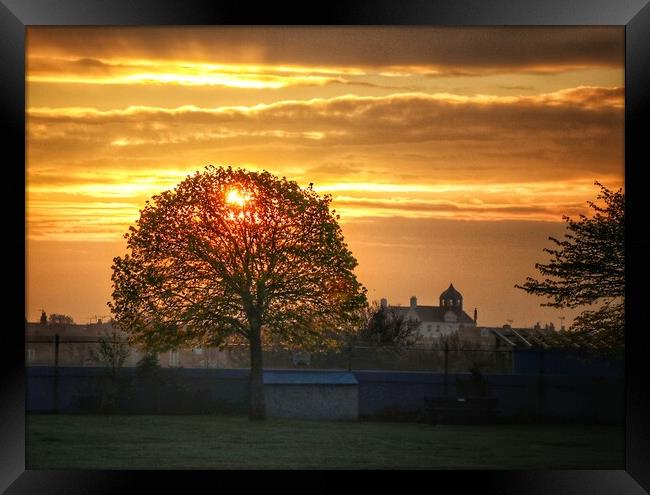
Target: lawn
218	442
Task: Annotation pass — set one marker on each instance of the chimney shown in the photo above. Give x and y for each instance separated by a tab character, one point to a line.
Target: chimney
475	316
384	303
414	301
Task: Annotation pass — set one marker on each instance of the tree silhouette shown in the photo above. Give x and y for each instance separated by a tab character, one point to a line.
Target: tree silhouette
588	268
112	352
59	319
386	326
231	255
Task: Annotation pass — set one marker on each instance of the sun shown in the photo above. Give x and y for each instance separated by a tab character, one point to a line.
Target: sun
235	197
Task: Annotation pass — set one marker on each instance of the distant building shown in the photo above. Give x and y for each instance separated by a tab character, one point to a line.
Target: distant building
434	322
539	337
76	342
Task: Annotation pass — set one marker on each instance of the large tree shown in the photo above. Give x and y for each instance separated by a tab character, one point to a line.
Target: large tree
587	268
230	255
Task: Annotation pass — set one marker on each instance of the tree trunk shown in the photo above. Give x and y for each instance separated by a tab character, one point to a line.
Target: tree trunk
257	405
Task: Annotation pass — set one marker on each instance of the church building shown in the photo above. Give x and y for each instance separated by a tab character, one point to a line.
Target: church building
436	321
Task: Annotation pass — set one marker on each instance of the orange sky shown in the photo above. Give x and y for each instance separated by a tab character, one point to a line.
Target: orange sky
451	153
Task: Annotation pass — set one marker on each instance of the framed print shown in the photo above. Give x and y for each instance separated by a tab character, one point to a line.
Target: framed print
354	237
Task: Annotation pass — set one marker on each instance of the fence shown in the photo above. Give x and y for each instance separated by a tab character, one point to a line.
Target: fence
85	351
389	395
64	375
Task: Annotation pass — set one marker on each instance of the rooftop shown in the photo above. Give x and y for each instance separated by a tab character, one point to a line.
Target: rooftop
309	378
547	338
437	313
451	293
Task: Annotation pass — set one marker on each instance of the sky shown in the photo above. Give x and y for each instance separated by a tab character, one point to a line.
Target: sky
452	154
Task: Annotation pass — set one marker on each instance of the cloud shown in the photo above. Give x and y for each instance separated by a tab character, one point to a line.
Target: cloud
94	71
369	139
437	50
560	122
467	210
516	87
415	155
396	109
187	73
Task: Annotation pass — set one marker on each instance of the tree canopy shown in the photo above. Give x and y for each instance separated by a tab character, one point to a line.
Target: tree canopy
587	267
230	254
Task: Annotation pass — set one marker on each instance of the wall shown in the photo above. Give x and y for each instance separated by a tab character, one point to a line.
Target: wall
551	397
382	394
167	391
563	362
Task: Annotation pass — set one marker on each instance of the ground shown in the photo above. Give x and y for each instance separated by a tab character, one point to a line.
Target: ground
217	442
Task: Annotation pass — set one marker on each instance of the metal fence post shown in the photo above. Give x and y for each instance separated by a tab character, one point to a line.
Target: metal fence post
56	372
350	358
446	369
540	383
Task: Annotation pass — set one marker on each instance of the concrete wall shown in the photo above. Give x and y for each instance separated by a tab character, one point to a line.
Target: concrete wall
327	402
381	394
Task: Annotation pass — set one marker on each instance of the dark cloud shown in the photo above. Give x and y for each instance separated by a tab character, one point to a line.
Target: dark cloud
486	209
517	88
580	114
338	169
85	65
457	50
92	70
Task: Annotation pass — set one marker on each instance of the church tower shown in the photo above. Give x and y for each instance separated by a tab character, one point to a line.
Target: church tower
451	298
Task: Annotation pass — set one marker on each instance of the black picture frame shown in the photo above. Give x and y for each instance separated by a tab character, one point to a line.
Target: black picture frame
16	15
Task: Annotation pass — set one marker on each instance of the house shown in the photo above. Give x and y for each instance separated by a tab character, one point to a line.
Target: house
434	322
76	341
74	346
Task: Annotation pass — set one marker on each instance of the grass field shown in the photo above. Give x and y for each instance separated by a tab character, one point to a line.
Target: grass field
214	442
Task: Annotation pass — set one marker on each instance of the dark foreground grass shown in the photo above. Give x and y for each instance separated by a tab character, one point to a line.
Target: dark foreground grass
215	442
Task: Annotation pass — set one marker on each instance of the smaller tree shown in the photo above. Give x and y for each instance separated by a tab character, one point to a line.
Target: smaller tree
148	364
43	320
112	352
59	319
587	268
466	355
387	326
